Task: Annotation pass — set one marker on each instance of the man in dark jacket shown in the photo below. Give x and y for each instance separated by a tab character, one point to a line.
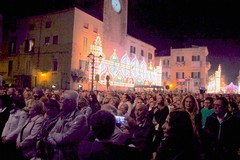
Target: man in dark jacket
223	131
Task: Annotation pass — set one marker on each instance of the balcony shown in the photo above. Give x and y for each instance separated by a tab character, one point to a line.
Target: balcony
180	64
196	64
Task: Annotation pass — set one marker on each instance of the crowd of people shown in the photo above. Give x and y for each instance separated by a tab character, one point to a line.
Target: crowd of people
44	124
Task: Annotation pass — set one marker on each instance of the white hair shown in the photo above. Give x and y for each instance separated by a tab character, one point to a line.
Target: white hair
71	94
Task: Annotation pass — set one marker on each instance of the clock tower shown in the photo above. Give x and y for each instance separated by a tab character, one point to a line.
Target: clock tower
115	26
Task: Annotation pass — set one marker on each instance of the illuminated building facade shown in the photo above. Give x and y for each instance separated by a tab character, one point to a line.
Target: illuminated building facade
53	49
186	69
214	81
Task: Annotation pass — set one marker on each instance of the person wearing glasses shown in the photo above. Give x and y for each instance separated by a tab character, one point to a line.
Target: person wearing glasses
223	131
70	128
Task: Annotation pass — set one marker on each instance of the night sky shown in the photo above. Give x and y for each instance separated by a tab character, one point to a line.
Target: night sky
167	23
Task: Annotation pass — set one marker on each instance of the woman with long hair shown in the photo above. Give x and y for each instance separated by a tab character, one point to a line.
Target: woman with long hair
180	141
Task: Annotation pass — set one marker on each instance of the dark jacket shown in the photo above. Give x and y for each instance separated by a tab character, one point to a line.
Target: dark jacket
223	137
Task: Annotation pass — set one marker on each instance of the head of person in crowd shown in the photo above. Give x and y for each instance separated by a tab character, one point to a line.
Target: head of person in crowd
160	100
51	108
37	93
92	97
115	101
69	101
208	102
178	124
11	92
137	100
140	111
110	108
55	96
18	103
19	92
5	101
82	102
122	109
220	106
27	94
233	108
190	104
126	98
35	108
103	123
47	93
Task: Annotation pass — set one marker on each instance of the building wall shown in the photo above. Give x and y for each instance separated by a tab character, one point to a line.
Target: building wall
186	81
76	31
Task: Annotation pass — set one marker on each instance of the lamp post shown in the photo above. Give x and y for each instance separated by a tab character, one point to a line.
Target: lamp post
92	57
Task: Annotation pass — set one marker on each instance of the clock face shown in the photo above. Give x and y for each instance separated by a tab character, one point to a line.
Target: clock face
116	5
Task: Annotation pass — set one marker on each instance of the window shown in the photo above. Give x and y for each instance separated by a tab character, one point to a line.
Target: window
47	40
10	67
149	57
142	53
55	39
95	30
54	65
132	51
48	24
195	75
12	47
29	45
86	25
180	58
166	62
165	75
180	75
196	58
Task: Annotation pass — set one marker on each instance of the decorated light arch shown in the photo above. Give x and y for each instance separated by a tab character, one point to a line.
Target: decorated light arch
123	71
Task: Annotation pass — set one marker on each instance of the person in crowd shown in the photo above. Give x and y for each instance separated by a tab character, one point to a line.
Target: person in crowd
126	99
93	102
122	109
11	92
70	128
223	130
180	141
207	109
5	107
115	100
102	148
158	117
233	109
27	137
141	131
84	107
13	126
52	112
190	104
27	94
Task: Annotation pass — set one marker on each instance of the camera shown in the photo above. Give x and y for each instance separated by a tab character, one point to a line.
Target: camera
120	119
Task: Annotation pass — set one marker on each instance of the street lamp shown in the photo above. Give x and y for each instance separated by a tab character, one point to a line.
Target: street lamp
92	57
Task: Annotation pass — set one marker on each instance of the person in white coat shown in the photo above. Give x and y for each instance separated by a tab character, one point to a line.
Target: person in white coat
27	138
13	126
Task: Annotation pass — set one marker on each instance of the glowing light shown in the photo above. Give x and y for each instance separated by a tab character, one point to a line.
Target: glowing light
126	72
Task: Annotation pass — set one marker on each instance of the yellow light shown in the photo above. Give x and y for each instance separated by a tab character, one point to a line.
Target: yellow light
43	74
170	85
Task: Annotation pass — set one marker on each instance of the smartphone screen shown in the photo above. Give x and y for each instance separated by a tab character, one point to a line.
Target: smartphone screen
120	119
